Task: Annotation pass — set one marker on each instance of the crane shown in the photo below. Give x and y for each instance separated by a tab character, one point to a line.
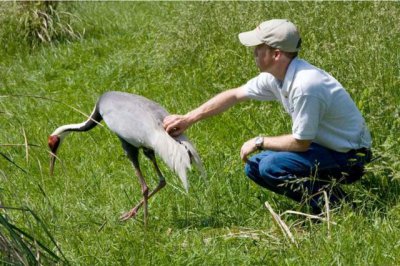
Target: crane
137	121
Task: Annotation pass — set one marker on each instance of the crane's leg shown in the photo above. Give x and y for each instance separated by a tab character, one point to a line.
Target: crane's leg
133	155
161	184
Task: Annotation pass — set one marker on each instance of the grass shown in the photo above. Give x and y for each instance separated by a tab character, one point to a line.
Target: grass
19	247
180	54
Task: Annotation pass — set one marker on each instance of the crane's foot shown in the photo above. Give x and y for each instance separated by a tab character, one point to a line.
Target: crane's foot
131	214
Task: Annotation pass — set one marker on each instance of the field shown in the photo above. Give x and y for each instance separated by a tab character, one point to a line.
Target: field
180	54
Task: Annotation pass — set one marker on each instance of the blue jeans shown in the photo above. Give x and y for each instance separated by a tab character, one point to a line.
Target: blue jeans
303	175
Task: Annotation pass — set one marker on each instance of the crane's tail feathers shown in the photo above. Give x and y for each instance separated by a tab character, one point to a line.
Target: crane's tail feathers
194	156
178	154
174	155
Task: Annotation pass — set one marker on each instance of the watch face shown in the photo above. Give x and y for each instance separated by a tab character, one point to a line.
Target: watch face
259	142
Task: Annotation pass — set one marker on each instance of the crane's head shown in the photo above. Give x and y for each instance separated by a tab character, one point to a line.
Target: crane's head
54	142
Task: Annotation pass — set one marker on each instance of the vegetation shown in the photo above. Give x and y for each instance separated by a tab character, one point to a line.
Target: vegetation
180	54
36	22
18	246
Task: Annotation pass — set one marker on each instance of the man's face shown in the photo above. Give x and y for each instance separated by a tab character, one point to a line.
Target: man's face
263	56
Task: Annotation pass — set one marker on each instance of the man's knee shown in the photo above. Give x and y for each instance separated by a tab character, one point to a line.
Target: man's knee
251	167
252	172
271	168
265	167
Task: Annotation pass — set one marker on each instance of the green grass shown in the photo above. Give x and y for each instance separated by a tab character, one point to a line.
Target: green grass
180	54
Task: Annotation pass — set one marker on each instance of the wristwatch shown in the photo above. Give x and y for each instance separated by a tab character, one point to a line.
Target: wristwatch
259	142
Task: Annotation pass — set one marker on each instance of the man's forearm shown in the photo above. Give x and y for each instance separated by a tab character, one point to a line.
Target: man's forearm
177	124
279	143
286	143
216	105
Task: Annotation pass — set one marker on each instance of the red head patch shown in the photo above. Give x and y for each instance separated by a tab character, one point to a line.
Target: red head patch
54	142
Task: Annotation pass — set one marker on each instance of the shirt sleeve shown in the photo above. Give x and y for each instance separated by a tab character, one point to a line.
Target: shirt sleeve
306	116
261	87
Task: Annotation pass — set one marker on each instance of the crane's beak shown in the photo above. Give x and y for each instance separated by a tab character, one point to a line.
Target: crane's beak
54	142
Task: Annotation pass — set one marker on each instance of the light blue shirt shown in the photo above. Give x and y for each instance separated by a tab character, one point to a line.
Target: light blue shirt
321	109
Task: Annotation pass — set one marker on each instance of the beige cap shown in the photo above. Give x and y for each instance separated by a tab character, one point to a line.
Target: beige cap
277	33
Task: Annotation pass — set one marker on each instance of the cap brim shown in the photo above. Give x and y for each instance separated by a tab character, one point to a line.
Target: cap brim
249	38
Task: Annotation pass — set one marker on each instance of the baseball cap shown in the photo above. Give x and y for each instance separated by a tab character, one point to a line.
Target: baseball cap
277	33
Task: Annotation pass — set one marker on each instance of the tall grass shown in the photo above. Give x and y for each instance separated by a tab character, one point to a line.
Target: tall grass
180	54
33	23
23	245
17	246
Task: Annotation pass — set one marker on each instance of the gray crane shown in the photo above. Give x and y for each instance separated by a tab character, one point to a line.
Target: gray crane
137	121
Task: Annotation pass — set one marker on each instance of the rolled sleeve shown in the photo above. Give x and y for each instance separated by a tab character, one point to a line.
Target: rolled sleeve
261	87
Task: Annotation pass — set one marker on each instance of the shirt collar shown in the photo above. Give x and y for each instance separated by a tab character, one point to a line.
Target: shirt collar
289	77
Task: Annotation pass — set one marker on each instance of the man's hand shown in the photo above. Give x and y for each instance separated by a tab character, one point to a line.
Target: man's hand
248	148
175	124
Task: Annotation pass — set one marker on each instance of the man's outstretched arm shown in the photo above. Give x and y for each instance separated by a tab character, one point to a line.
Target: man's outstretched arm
177	124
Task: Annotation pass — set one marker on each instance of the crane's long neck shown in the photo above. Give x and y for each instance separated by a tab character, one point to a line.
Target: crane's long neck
90	123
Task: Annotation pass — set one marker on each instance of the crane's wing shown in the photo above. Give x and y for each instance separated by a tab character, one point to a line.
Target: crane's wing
132	117
138	121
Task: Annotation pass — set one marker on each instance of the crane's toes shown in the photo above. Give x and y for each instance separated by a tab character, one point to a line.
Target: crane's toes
126	216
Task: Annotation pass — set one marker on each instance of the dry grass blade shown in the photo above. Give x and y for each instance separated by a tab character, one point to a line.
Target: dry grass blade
311	216
16	145
327	212
251	234
284	228
26	145
243	233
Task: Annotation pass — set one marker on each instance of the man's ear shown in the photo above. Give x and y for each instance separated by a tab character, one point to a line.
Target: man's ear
277	54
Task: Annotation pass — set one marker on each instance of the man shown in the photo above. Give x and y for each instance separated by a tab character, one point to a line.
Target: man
329	138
